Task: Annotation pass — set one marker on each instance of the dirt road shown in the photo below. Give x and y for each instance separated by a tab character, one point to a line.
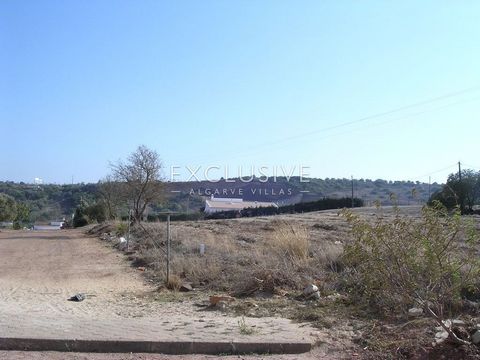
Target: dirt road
40	270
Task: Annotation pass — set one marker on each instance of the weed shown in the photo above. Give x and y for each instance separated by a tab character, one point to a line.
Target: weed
173	283
244	328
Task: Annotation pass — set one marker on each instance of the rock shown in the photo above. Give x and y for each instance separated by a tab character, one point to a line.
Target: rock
335	297
309	290
314	296
251	304
476	337
415	312
440	337
280	292
186	287
122	243
447	323
458	322
221	305
77	297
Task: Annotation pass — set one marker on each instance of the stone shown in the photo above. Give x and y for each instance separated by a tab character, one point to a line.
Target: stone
440	337
122	243
415	312
77	297
458	322
476	337
186	287
309	290
447	323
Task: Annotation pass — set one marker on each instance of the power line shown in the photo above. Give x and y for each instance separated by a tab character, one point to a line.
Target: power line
239	155
370	117
435	171
472	166
382	114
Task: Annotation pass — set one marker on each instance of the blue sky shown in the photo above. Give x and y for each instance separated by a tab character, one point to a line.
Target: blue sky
245	83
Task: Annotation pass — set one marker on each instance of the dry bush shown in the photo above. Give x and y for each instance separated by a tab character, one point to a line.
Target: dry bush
283	257
174	282
402	262
197	269
291	241
328	256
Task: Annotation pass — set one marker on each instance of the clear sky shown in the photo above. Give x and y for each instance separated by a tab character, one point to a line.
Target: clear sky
230	83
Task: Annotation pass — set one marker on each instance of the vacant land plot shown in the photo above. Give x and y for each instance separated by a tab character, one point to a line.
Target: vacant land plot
267	261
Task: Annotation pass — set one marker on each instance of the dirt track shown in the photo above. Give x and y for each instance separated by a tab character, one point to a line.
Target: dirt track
40	270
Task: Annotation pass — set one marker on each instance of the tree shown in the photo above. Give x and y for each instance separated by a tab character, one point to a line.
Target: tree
79	218
141	175
464	192
22	215
96	212
8	208
111	193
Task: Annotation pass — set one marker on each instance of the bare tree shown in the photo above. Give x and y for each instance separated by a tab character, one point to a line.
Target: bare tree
112	194
141	176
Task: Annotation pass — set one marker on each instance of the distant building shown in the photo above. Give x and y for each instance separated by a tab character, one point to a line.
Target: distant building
214	205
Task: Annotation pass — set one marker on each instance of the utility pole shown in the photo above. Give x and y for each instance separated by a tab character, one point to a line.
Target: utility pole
462	205
352	193
129	226
429	187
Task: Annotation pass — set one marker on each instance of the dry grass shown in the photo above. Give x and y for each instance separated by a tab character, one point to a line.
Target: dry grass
291	241
249	254
174	282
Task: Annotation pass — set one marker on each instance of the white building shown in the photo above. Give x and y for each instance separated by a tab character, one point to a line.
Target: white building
214	205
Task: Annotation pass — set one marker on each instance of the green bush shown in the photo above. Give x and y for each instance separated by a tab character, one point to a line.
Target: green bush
79	219
121	229
96	212
402	262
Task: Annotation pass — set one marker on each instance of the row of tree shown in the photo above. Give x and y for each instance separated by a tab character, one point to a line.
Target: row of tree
135	184
323	204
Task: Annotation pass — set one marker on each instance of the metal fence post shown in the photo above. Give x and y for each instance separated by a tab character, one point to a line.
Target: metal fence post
168	248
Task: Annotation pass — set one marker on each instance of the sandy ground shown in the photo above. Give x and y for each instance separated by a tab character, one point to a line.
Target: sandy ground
40	270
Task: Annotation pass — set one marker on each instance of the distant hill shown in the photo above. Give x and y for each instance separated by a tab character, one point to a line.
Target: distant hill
55	201
285	192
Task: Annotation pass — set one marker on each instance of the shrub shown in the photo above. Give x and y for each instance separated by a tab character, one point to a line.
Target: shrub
121	229
406	262
96	212
79	219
